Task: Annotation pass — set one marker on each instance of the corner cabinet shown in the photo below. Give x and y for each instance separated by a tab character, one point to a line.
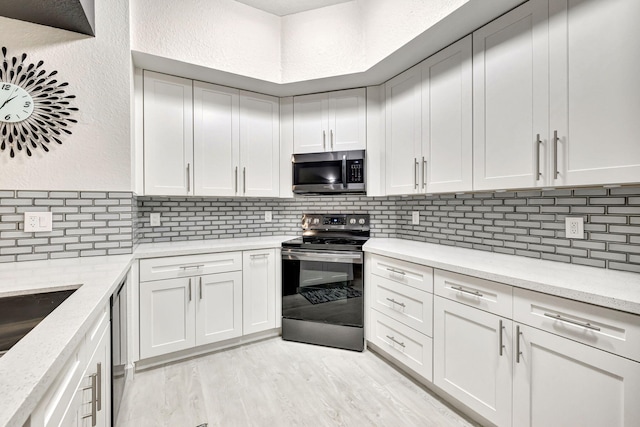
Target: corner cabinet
429	124
333	121
202	139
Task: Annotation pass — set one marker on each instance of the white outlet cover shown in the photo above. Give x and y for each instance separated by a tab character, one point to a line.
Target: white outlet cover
38	221
154	219
268	216
574	227
415	218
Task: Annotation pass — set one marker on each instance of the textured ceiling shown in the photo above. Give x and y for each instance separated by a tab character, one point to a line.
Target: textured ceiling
288	7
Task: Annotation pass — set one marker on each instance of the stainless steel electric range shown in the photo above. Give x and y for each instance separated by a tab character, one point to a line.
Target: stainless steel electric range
322	281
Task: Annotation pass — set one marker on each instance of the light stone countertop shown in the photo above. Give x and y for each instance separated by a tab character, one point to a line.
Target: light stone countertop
607	288
31	366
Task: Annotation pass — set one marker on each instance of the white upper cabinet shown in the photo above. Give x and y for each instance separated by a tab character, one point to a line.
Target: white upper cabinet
202	139
334	121
168	135
595	91
510	99
216	139
447	120
403	131
259	145
429	124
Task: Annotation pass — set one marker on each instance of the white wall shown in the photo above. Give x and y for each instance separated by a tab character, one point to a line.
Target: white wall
219	34
97	156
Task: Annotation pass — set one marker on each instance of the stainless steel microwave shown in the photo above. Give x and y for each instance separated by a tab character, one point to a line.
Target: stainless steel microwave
338	172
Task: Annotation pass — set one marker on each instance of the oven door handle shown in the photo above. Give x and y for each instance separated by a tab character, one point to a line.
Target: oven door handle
324	256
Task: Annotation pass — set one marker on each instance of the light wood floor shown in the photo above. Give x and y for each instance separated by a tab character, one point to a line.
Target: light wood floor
278	383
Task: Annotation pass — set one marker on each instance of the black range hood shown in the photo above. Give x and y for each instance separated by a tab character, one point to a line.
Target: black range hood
73	15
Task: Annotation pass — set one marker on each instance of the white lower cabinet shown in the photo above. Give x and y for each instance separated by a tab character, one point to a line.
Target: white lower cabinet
186	308
560	382
81	394
472	358
258	291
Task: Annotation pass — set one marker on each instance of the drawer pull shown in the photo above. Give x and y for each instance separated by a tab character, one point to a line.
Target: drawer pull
401	344
189	267
461	289
401	304
393	270
256	256
573	322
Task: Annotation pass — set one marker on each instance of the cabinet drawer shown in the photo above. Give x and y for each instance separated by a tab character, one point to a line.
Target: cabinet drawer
479	293
403	303
415	275
187	266
610	330
404	344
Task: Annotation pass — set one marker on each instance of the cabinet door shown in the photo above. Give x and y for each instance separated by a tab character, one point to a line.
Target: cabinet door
472	359
403	131
559	382
447	120
216	143
594	69
100	367
310	123
347	120
219	307
167	319
259	145
510	99
168	135
259	290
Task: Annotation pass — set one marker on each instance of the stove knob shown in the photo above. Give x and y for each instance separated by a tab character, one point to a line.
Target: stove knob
316	221
361	221
352	221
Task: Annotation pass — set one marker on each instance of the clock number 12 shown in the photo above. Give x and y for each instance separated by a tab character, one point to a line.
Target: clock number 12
6	87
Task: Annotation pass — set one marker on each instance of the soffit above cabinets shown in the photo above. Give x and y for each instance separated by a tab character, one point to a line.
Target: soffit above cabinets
289	7
72	15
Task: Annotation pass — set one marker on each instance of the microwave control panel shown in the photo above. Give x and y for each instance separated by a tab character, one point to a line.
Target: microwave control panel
355	171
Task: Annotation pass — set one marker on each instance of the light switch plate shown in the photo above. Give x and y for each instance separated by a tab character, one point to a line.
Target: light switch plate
38	221
574	227
154	219
268	216
415	217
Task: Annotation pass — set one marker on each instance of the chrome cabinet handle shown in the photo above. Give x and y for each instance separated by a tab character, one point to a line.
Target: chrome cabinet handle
200	288
555	157
537	147
99	386
189	290
93	414
518	352
254	256
401	344
188	178
424	173
415	173
501	343
331	138
401	304
244	180
236	180
573	322
324	140
461	289
189	267
393	270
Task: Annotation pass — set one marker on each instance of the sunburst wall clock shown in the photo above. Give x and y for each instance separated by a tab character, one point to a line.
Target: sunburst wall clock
34	109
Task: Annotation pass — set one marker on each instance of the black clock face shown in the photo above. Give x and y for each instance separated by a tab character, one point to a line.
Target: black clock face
35	111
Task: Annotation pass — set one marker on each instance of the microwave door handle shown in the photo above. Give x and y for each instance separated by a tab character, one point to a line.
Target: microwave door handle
344	171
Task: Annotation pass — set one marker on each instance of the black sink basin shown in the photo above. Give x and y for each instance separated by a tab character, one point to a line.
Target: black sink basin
20	314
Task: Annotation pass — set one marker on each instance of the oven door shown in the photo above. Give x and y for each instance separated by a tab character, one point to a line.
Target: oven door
323	286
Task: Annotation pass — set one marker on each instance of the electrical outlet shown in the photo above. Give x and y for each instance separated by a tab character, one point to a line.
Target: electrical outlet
154	219
574	227
268	216
38	221
415	217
